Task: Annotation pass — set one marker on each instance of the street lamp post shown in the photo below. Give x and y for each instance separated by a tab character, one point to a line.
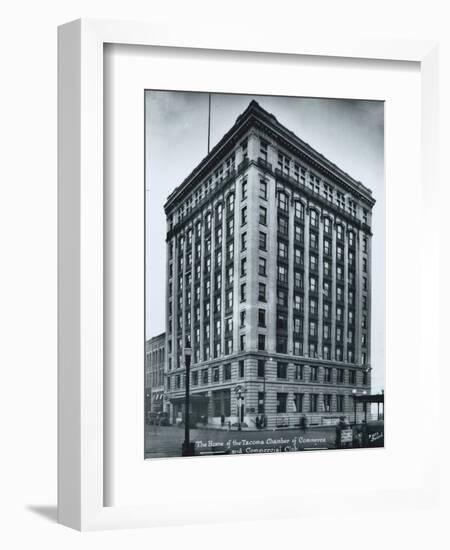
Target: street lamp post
354	402
187	448
365	407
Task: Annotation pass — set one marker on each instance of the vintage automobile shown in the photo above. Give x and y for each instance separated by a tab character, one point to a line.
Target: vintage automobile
162	419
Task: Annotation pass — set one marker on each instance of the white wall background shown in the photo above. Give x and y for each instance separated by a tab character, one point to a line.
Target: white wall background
28	266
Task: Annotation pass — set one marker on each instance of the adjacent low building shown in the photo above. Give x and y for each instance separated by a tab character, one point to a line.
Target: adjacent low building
268	281
154	373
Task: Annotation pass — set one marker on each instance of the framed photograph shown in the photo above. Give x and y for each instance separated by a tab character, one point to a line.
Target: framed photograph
233	230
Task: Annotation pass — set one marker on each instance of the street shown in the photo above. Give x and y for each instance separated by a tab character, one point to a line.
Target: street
166	441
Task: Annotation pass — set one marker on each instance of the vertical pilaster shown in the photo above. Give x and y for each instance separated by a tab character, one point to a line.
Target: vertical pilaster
320	285
333	293
290	320
306	286
345	335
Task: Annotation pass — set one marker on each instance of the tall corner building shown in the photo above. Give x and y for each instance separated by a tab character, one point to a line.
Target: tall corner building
268	281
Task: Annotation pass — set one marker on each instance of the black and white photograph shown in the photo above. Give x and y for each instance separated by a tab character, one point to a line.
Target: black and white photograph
265	274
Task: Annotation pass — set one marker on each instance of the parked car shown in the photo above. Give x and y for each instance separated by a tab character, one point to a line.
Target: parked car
151	418
163	419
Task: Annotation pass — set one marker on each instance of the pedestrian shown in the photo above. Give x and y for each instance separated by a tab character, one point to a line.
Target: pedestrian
258	422
222	420
303	422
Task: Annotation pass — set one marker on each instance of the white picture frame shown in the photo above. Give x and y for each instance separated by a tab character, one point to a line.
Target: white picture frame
81	479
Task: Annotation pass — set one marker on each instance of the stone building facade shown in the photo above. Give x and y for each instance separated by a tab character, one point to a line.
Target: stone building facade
154	373
268	281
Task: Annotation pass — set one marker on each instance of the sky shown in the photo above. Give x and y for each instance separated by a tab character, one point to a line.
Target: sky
349	132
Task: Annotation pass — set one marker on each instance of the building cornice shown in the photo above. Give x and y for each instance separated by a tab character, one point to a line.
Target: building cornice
256	116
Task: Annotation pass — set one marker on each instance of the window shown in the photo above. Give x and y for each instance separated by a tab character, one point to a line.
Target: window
365	216
218	281
262	266
243	267
227	372
298	325
313	307
261	342
261	368
230	275
313	329
365	265
230	227
281	344
338	354
313	218
283	202
352	377
205	376
262	292
298	256
219	211
298	234
339	232
313	262
263	146
281	297
327	375
281	402
298	402
230	203
243	292
281	321
326	288
195	378
327	247
281	370
282	274
261	317
339	293
298	372
326	352
262	189
299	210
263	215
340	376
215	374
340	403
313	284
229	324
244	190
242	342
313	402
327	402
298	346
244	216
327	226
284	163
283	228
230	299
244	146
282	250
298	279
262	241
298	302
314	374
241	369
244	241
243	315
